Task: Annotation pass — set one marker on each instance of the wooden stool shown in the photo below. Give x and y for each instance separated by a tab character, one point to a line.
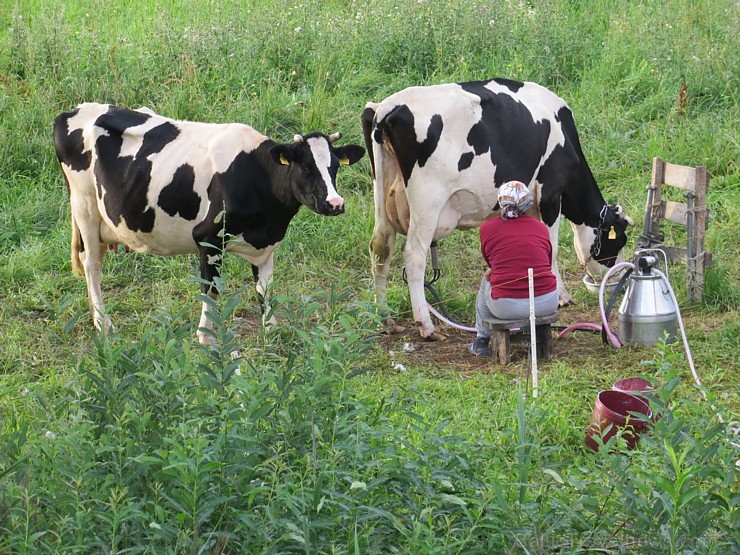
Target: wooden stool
501	337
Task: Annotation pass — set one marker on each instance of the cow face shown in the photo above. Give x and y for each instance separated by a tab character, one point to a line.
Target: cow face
312	164
605	246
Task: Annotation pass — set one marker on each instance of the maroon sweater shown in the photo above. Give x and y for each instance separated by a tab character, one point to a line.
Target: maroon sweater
510	247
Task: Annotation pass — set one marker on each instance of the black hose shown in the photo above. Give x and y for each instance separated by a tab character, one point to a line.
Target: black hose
439	305
617	290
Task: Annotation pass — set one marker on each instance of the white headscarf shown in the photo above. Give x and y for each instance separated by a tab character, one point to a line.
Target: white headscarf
514	199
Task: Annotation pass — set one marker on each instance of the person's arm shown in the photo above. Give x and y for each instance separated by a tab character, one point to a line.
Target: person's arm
483	252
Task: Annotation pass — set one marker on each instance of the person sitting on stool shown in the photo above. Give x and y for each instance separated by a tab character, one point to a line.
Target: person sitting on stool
511	244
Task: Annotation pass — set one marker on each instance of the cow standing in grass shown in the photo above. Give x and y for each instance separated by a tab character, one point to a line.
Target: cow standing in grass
438	155
168	187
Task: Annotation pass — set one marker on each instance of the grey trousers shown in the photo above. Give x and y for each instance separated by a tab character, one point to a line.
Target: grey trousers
488	309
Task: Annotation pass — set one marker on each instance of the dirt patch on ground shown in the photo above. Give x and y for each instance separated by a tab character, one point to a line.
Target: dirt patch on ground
408	347
580	348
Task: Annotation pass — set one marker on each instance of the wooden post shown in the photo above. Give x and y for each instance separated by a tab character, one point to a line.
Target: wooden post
692	215
532	332
695	262
654	209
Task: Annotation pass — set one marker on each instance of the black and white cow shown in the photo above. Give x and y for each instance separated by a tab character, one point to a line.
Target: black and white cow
171	187
439	153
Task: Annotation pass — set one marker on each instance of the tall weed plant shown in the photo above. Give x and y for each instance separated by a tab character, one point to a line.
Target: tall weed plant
160	447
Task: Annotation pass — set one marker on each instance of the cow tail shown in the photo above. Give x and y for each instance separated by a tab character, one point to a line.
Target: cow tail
77	248
375	153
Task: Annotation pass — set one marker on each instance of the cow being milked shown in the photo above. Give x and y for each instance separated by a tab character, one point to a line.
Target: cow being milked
171	187
438	155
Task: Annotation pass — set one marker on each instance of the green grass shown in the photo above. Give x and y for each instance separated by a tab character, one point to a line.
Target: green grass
146	443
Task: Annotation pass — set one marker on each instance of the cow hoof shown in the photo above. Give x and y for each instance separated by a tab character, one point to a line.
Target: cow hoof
435	336
206	339
105	325
269	324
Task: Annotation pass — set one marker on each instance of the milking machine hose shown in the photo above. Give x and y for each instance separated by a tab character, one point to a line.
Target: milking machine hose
620	286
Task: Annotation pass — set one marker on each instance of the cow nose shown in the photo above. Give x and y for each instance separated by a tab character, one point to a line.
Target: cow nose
336	204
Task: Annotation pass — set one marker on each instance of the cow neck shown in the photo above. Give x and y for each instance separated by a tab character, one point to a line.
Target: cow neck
583	205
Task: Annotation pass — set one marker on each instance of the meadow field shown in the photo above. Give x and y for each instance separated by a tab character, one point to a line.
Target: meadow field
333	437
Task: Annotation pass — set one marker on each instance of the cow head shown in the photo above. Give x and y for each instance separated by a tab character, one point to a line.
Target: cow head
313	163
600	248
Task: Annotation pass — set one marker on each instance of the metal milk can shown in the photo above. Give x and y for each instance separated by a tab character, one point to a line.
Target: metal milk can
647	311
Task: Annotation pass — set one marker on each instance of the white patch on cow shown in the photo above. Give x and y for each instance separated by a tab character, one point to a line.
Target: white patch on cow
322	159
256	256
214	259
226	142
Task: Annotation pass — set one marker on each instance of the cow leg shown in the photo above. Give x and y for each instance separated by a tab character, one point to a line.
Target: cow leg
415	256
381	250
263	279
210	265
91	256
563	294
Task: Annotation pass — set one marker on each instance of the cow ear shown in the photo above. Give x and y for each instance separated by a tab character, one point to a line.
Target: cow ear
621	214
282	154
349	154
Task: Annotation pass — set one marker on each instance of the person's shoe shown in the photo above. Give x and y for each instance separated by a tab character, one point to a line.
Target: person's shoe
480	347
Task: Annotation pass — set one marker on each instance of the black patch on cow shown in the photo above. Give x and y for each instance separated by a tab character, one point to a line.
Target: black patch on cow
465	161
70	147
429	145
581	198
513	86
117	120
507	130
398	126
179	197
555	175
157	138
126	179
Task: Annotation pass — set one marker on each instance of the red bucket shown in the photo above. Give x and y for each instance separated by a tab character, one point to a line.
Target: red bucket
635	386
612	411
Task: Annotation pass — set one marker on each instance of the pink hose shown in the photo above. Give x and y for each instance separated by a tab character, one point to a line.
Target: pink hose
449	322
581	326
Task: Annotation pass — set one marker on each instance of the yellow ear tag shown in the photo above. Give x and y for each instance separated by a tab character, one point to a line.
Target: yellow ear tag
344	161
612	233
283	160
